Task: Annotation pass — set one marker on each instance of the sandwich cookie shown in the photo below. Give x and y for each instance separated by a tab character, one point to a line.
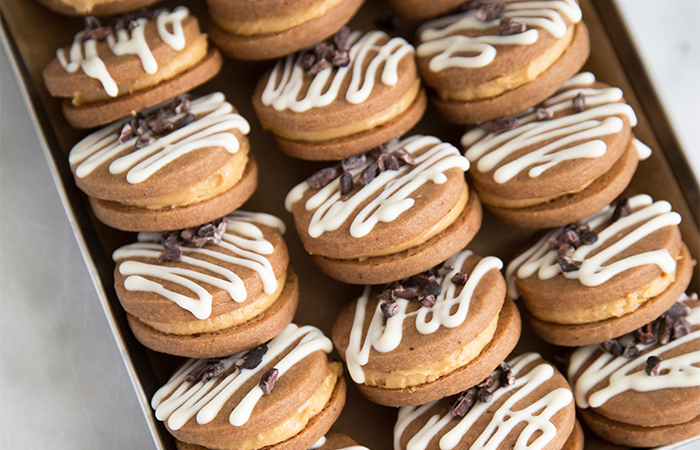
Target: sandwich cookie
145	59
283	395
336	441
341	97
558	163
431	335
172	167
387	214
95	7
603	277
526	404
208	291
268	29
643	390
420	9
501	57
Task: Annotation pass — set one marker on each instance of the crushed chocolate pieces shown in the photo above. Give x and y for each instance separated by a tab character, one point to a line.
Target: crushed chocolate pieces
484	395
573	236
422	279
353	161
444	270
331	52
307	61
252	359
341	39
390	308
94	29
267	381
408	294
339	59
92	23
318	66
143	141
588	236
460	279
126	133
653	366
507	377
631	350
378	151
565	260
388	161
162	127
390	22
322	50
500	125
433	288
612	346
211	368
645	334
181	105
622	209
491	11
487	383
579	102
463	404
428	301
368	174
185	120
323	177
402	155
507	27
199	236
570	238
665	329
345	183
139	125
678	310
169	254
544	114
681	327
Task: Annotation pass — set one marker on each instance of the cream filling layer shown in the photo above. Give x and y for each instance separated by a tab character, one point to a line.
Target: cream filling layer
221	322
510	81
500	202
275	24
220	181
426	373
615	308
295	424
181	62
379	119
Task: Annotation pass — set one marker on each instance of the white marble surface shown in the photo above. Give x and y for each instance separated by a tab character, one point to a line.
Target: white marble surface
62	383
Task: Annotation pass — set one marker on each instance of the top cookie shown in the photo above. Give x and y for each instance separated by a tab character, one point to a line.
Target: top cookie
95	7
501	57
421	9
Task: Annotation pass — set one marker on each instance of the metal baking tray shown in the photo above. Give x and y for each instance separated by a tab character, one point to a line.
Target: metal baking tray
30	34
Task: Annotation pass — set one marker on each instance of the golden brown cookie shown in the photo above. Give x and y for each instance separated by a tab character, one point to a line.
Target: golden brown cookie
180	165
208	291
268	29
527	401
366	99
501	57
432	335
560	161
387	214
95	7
605	276
110	72
643	389
336	441
421	9
283	395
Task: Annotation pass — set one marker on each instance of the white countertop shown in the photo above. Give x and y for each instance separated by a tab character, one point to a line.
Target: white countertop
62	382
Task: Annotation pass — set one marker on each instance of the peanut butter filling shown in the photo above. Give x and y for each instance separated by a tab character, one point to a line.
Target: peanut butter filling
217	183
252	308
500	202
615	308
181	62
510	81
275	24
295	424
399	379
394	110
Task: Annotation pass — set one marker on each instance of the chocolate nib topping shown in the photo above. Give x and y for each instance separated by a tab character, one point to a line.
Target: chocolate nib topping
332	51
667	327
507	27
94	29
211	368
353	161
622	209
613	347
404	156
653	366
500	125
252	359
464	401
158	123
460	279
199	236
428	301
390	308
368	174
573	236
579	102
267	381
545	114
322	177
490	11
345	183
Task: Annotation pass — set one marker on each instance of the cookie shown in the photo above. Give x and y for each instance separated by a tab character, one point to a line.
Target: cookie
559	162
644	391
270	29
421	9
283	395
365	225
361	99
336	441
180	165
606	276
525	404
500	58
145	59
431	335
95	7
208	291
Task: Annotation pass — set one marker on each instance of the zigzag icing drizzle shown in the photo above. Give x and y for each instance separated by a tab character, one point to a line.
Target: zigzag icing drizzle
392	187
178	400
215	119
247	245
127	42
441	37
676	372
325	87
385	334
648	217
537	415
573	136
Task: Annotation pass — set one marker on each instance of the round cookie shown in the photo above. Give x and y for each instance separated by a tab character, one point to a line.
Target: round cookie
169	168
431	335
560	162
268	29
348	107
491	61
536	410
144	59
283	395
336	441
95	7
209	291
421	9
606	276
387	224
615	389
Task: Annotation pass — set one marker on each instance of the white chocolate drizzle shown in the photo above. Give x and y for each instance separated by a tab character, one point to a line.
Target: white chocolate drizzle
625	374
538	415
212	128
565	138
283	88
126	42
442	37
391	188
178	400
242	238
647	217
385	334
